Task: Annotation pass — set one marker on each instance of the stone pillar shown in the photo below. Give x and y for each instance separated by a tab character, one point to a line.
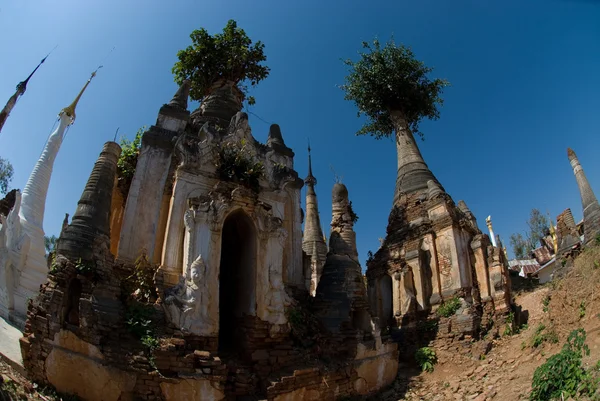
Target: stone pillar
172	255
479	246
92	217
591	208
488	222
116	218
142	210
412	260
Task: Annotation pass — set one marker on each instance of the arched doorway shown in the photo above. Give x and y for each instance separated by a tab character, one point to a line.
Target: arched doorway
237	278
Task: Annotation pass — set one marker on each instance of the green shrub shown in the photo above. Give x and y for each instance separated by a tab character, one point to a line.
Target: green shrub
563	375
546	303
426	358
449	307
582	310
127	161
542	335
236	164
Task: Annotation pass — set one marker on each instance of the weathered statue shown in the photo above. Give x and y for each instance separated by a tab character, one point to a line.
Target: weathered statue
184	304
278	299
409	299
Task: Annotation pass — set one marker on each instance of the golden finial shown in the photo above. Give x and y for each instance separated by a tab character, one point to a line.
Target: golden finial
70	109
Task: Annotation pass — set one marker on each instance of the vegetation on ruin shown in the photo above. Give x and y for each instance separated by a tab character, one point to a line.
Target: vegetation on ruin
6	175
449	307
50	246
389	79
127	162
139	285
139	322
512	327
227	56
563	375
426	358
352	213
539	226
236	164
304	326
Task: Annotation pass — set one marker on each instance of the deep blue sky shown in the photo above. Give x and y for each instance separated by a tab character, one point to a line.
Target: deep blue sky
524	74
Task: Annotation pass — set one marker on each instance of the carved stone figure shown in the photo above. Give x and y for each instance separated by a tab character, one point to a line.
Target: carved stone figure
278	299
184	303
409	299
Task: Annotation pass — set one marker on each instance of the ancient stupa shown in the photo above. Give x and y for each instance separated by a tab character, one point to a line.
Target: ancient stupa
433	252
22	254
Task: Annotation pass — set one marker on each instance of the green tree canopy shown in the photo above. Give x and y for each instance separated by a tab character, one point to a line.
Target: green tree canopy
229	55
6	174
387	79
539	227
50	243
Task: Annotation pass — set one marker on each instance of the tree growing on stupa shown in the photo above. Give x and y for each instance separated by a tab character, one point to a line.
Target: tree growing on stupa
227	58
394	91
6	174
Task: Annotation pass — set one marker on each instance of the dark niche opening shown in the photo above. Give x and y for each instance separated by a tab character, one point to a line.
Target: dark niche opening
386	302
237	277
71	310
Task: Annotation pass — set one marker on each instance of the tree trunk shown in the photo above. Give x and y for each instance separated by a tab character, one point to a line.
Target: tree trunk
222	103
413	173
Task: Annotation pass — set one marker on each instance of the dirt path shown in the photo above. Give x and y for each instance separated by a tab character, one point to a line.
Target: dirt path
507	370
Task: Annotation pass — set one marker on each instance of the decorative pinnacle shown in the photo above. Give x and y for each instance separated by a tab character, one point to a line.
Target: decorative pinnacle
70	109
310	179
22	86
571	154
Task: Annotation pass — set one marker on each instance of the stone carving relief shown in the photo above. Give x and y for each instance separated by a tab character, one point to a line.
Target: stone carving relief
444	257
186	304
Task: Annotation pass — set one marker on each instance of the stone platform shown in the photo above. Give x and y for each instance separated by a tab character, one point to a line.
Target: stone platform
10	350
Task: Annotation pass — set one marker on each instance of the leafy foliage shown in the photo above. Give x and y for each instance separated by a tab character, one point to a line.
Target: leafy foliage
138	319
543	334
229	55
127	162
426	358
86	268
50	243
546	303
387	79
305	328
449	307
352	213
6	174
236	164
539	226
563	375
140	283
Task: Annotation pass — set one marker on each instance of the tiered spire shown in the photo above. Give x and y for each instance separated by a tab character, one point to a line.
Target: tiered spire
313	242
591	208
34	194
21	88
413	173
